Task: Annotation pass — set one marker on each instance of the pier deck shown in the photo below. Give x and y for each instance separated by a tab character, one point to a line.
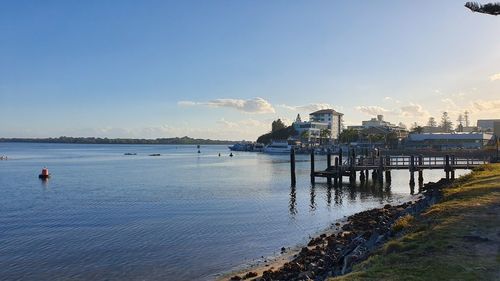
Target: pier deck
382	165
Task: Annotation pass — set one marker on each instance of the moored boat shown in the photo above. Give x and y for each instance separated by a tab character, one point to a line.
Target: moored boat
277	147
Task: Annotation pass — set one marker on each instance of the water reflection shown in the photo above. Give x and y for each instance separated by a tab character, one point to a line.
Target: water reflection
328	196
44	184
293	201
312	204
336	194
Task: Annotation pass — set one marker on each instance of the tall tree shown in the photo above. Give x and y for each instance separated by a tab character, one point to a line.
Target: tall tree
324	134
432	122
466	118
298	119
277	125
460	125
460	119
446	123
413	126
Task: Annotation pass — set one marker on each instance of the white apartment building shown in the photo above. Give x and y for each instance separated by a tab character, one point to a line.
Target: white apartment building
332	118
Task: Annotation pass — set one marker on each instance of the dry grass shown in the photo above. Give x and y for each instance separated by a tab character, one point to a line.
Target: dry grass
402	223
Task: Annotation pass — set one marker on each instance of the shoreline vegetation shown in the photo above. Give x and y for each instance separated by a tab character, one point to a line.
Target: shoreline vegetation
93	140
450	232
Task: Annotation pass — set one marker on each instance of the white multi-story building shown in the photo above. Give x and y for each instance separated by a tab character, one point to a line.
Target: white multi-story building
380	123
313	129
332	118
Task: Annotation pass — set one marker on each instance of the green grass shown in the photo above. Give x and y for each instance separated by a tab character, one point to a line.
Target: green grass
456	239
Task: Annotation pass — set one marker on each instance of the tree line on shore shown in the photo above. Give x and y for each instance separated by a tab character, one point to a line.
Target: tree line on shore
93	140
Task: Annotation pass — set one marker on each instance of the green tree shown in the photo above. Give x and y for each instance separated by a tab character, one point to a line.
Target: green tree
348	136
277	125
324	134
305	135
392	140
432	122
417	129
446	123
466	118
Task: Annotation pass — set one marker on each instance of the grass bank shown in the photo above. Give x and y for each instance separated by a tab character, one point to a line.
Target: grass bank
456	239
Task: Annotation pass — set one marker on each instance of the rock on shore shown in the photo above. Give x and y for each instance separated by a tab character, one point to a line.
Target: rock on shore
335	254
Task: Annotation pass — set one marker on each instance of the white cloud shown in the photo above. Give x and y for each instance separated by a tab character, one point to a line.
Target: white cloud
414	111
495	77
255	105
372	110
492	106
307	108
186	103
409	113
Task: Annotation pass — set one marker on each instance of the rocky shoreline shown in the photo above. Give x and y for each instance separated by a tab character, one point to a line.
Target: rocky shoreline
330	255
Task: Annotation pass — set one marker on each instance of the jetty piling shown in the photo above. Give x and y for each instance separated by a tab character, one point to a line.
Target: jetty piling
292	167
412	170
452	171
420	170
313	178
381	166
337	173
447	166
328	166
388	177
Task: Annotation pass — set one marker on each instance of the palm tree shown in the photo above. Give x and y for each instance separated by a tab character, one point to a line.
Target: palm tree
305	136
418	129
323	134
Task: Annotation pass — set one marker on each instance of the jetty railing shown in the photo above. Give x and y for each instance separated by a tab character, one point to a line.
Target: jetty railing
348	165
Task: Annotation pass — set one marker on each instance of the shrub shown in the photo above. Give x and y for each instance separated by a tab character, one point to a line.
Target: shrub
402	223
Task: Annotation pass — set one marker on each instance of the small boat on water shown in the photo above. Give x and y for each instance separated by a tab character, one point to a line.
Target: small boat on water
240	147
45	174
155	154
128	153
247	146
278	147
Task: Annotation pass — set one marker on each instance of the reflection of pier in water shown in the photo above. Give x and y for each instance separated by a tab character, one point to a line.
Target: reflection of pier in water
351	191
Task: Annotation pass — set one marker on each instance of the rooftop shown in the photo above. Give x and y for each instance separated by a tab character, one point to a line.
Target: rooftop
326	111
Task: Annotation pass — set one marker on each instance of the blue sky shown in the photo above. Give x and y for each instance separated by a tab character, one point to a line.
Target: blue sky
226	69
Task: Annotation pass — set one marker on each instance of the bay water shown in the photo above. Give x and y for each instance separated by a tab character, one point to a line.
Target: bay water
182	215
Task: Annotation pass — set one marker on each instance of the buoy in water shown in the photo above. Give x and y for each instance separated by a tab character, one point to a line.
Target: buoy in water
199	151
45	174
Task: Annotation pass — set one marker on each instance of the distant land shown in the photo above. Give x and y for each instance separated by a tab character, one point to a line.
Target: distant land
92	140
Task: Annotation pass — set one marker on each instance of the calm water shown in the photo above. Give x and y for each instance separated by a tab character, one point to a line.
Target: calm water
179	216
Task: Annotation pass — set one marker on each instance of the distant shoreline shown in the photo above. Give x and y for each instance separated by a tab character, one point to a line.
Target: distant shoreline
92	140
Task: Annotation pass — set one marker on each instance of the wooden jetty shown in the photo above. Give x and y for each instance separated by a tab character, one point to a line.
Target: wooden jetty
380	166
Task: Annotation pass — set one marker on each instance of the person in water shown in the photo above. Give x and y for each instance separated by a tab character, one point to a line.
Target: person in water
231	154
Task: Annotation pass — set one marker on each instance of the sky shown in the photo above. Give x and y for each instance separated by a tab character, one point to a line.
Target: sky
226	69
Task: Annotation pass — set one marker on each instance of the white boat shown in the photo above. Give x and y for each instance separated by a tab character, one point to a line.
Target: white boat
258	147
278	147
